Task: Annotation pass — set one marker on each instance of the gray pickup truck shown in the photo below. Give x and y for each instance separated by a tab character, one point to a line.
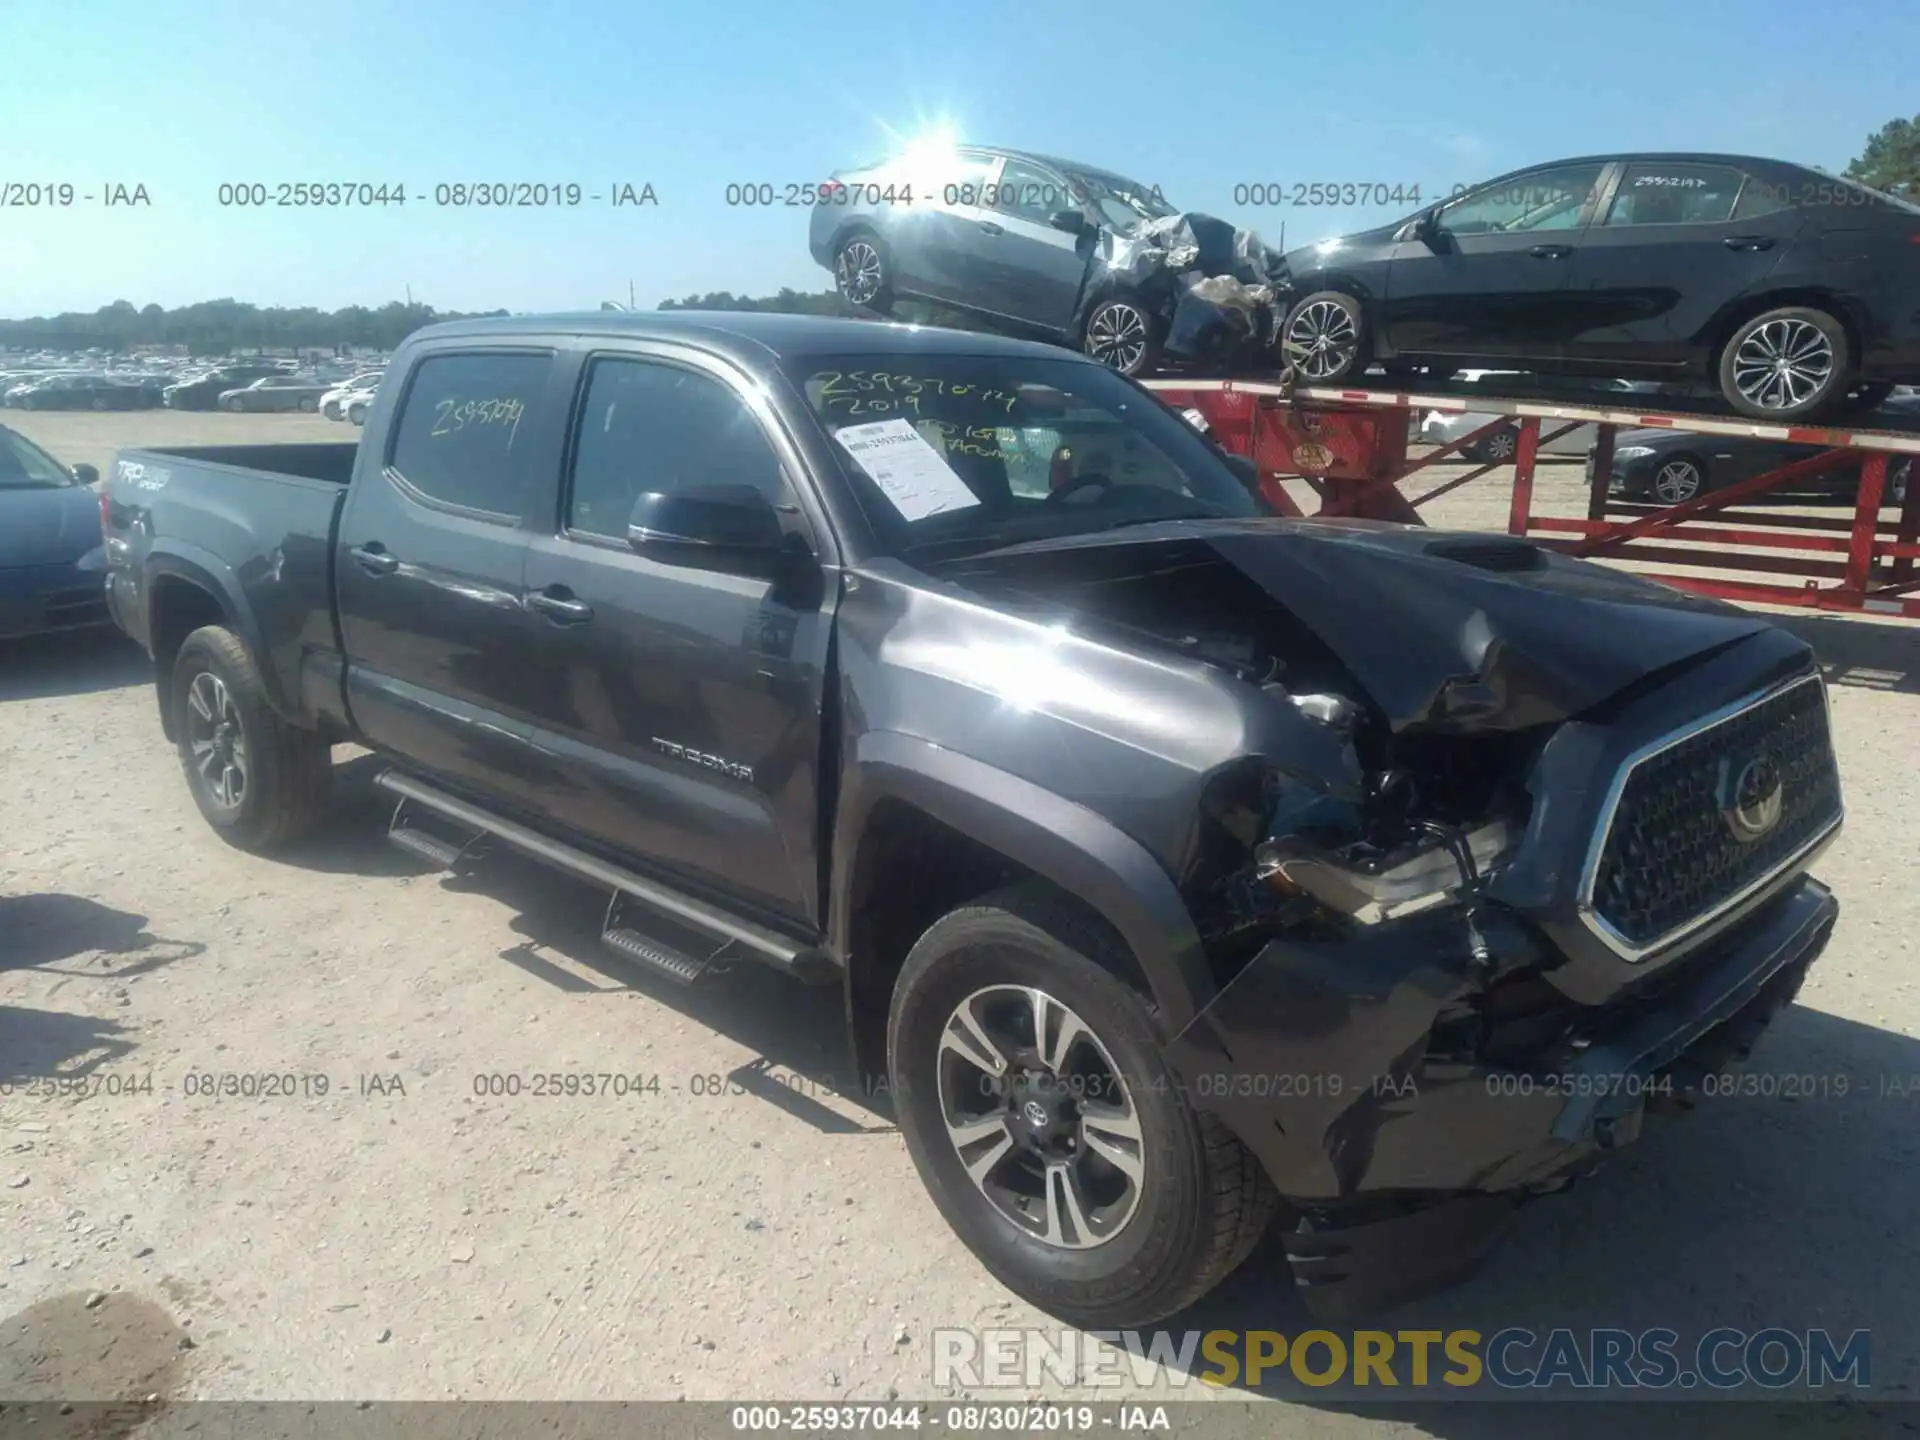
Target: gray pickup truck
1186	870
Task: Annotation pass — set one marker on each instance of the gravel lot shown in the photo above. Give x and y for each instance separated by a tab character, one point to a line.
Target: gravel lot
745	1229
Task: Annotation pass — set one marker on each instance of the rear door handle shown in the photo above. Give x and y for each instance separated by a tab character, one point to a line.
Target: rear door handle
1550	252
1748	242
993	227
374	559
556	602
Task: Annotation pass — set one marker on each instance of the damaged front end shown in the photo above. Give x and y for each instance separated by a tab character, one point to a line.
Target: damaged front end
1213	286
1478	902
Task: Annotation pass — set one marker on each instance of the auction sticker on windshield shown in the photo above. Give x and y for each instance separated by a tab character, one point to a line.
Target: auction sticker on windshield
909	471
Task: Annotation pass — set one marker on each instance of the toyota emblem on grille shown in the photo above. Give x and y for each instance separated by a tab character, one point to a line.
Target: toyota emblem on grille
1751	796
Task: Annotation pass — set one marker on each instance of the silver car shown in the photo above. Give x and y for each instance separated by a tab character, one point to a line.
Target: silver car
998	233
276	392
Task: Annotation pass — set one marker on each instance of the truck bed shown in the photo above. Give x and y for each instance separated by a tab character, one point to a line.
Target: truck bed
329	461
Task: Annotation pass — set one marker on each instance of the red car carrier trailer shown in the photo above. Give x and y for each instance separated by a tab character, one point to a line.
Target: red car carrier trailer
1350	446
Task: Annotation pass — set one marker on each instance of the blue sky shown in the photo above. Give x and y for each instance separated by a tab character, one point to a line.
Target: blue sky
1195	99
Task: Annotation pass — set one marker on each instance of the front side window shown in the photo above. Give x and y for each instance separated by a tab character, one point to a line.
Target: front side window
1543	200
1030	193
1658	192
461	437
975	451
648	426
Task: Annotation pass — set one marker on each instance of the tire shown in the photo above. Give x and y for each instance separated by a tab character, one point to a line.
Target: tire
309	405
1324	338
331	410
1787	364
232	406
863	272
1200	1204
99	402
1677	479
1124	335
1497	449
284	772
358	414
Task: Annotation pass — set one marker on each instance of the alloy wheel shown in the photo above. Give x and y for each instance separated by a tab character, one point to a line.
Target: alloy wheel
1501	445
1320	339
1117	336
1040	1116
1676	481
1783	363
858	271
216	741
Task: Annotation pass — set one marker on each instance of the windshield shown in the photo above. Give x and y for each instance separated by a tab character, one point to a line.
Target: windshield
963	452
25	466
1121	202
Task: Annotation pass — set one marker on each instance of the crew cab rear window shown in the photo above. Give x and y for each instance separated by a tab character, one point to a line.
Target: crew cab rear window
462	433
1668	193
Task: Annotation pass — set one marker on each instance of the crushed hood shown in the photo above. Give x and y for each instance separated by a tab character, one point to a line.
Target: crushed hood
1444	631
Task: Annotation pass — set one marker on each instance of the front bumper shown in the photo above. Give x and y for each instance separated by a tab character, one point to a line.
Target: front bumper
1405	1165
51	599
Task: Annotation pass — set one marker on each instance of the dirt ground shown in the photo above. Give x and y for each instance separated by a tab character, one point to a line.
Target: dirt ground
378	1226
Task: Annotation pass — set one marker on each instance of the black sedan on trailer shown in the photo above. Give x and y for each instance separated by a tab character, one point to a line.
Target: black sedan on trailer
1670	466
1795	292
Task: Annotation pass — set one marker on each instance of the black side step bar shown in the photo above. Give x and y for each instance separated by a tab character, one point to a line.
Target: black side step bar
729	934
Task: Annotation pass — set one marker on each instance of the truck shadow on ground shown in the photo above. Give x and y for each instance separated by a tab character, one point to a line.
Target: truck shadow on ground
83	663
76	940
1870	654
1790	1208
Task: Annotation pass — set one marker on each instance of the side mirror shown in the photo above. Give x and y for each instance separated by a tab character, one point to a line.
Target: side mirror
1426	229
86	474
1071	221
710	527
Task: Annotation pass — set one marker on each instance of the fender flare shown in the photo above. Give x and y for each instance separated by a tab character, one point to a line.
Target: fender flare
186	561
1058	840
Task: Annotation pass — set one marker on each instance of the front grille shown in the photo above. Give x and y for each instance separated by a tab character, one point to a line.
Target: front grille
1671	857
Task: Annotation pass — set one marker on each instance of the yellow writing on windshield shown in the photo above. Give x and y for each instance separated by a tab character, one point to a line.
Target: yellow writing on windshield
886	392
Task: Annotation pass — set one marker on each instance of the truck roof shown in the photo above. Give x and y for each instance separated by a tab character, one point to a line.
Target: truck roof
752	334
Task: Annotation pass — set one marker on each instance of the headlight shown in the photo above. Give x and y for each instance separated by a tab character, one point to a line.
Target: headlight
1632	452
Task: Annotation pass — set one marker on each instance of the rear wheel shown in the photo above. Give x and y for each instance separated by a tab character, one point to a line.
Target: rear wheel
1122	334
259	781
862	272
1034	1100
1786	364
1324	338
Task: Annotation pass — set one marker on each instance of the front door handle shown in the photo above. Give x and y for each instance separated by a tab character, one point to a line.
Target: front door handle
558	605
374	559
1550	252
993	227
1748	242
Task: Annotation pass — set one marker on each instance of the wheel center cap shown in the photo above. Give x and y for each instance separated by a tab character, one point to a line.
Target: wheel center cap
1041	1110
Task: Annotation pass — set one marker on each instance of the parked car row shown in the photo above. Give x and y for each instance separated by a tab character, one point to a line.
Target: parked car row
51	382
1794	293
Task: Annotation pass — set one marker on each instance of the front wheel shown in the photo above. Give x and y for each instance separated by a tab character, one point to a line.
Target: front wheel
308	406
358	414
1034	1101
1678	480
1497	448
1123	335
1324	338
232	406
259	781
862	274
1786	364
